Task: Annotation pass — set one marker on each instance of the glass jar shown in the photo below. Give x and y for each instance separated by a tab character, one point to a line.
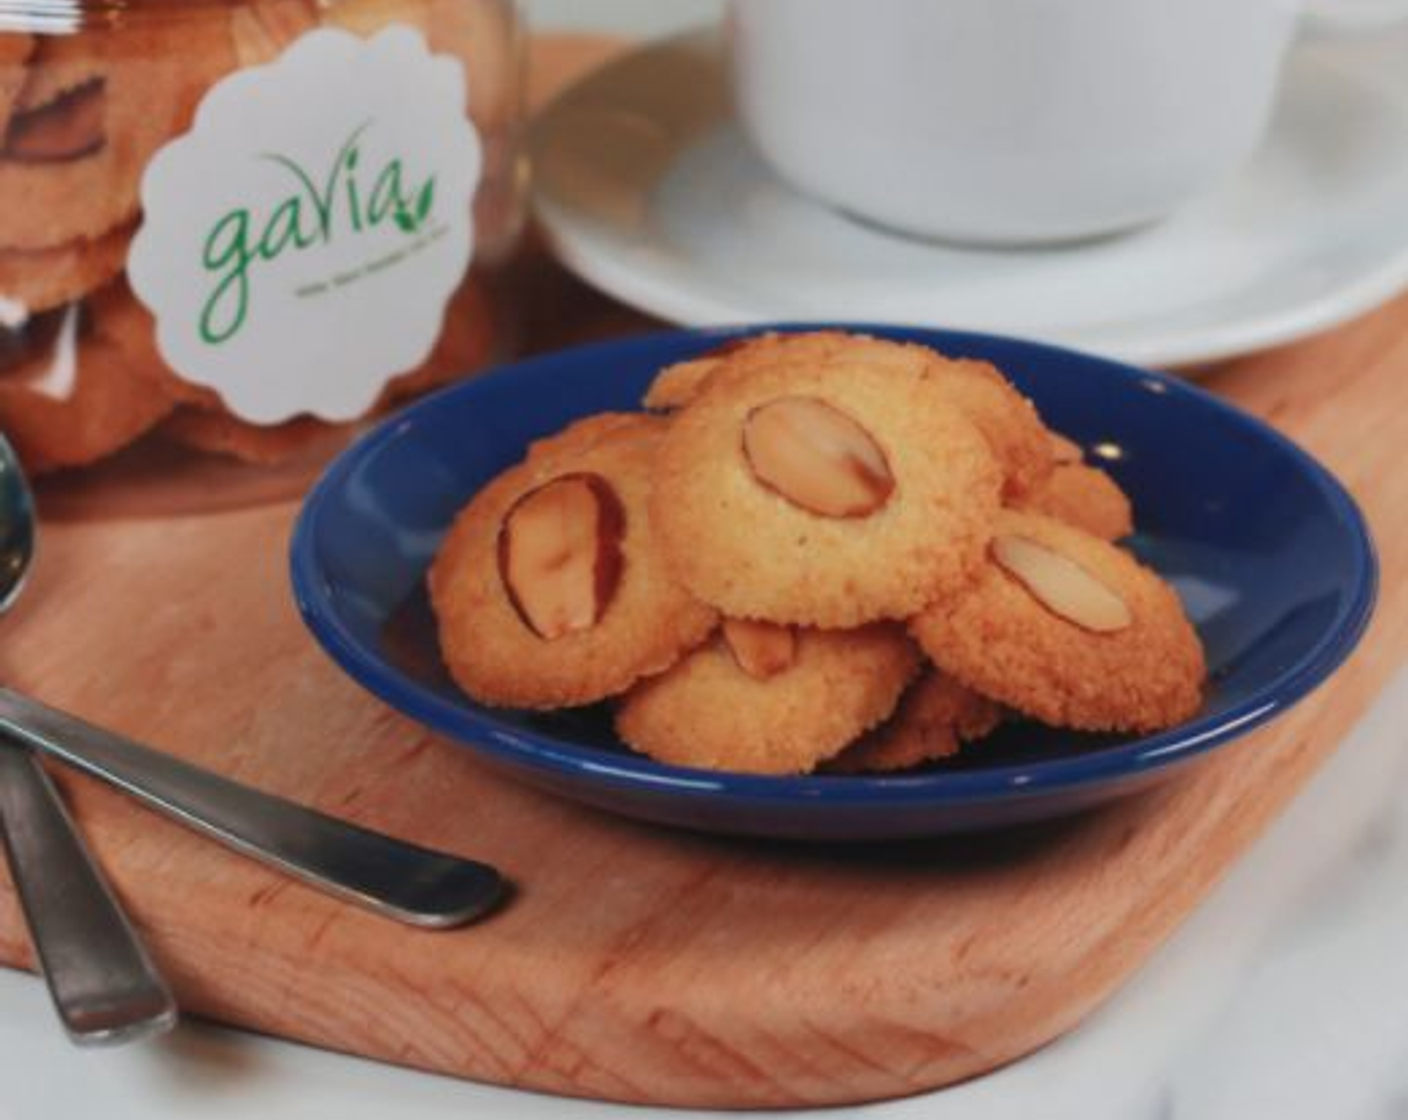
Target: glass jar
246	227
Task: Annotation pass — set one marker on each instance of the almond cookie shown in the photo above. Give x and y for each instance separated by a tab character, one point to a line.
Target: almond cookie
39	280
1008	420
58	73
78	399
769	700
678	384
823	491
1083	496
936	716
550	590
586	433
1069	629
108	99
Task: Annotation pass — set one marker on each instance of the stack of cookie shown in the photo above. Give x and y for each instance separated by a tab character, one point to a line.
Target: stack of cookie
817	551
81	116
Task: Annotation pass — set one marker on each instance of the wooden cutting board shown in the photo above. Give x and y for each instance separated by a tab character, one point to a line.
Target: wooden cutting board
635	963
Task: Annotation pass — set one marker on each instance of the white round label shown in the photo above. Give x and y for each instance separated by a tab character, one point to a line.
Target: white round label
299	244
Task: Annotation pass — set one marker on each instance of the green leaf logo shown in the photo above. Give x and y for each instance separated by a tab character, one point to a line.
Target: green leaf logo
425	200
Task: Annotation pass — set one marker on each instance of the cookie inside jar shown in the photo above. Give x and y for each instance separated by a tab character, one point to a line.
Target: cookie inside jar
235	232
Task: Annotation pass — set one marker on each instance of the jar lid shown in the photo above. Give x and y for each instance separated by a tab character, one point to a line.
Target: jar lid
64	17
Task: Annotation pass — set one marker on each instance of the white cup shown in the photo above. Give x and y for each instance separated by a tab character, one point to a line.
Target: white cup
1012	121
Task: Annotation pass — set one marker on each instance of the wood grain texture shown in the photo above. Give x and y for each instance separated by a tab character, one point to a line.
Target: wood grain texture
636	963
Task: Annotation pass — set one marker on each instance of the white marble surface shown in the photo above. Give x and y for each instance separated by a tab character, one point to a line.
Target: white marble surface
1283	996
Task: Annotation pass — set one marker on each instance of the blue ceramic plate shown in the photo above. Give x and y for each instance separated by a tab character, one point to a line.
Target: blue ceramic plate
1271	556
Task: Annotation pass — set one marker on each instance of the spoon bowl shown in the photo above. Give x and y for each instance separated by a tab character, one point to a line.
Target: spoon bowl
18	532
105	986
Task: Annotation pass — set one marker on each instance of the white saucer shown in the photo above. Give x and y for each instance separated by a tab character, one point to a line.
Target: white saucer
647	189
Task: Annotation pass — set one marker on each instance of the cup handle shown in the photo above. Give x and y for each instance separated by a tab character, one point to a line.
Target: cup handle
1340	16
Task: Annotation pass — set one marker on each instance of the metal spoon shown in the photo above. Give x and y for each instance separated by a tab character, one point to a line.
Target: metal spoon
394	878
103	983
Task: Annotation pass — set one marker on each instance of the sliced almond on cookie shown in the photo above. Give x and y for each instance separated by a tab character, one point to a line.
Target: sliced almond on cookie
762	649
1061	585
816	457
67	128
559	554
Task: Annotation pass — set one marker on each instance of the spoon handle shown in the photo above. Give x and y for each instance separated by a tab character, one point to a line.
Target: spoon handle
103	983
392	877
